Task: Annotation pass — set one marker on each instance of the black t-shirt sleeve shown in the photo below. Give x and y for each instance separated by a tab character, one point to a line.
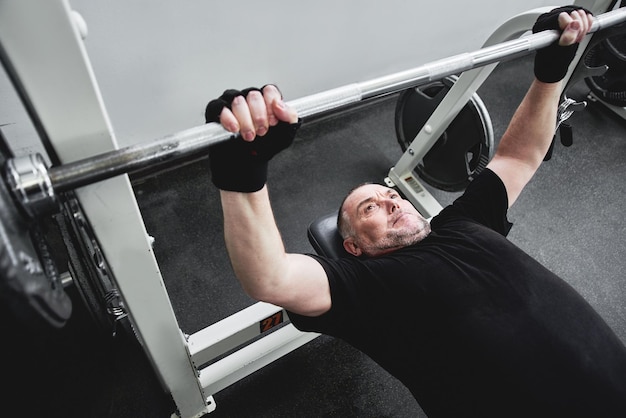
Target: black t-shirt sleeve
342	274
485	201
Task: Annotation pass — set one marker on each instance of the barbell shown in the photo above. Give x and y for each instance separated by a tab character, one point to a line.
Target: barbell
36	186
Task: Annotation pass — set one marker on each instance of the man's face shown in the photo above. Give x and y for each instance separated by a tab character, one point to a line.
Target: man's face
382	221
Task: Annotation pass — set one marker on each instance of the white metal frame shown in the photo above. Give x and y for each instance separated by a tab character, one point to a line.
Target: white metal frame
67	101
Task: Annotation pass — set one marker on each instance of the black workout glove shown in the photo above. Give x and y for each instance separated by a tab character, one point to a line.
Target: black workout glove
241	166
552	62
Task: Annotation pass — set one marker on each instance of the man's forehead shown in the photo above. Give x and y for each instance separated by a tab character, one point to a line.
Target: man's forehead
366	191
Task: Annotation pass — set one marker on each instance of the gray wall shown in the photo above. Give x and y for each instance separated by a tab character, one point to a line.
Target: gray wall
158	62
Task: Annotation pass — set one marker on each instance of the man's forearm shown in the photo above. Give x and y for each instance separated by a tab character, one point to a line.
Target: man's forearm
530	132
527	138
252	238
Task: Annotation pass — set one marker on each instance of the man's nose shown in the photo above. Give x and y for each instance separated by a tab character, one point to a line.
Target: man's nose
392	205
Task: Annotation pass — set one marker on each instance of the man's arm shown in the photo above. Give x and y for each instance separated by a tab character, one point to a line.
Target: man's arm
294	281
527	138
529	134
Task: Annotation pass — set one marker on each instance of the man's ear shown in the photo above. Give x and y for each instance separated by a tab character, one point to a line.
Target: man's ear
351	247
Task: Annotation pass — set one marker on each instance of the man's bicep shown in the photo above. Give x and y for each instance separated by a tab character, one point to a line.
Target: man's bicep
306	290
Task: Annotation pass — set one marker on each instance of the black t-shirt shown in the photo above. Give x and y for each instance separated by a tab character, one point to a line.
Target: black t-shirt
472	325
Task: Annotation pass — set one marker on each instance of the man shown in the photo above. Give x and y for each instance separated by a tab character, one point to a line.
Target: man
479	328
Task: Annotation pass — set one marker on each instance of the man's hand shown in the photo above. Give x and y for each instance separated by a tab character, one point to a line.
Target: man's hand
267	126
251	112
552	62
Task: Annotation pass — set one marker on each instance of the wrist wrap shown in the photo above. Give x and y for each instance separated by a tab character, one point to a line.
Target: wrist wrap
238	165
552	62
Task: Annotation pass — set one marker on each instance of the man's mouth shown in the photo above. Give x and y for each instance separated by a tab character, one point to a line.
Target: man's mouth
397	219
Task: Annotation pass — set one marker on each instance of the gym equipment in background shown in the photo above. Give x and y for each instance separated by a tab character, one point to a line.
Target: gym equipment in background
464	148
609	87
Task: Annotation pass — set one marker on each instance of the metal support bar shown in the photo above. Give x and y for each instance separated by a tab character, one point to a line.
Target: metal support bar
198	139
227	351
215	340
260	353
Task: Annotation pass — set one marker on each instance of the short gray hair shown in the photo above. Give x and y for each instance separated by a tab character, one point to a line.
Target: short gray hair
343	222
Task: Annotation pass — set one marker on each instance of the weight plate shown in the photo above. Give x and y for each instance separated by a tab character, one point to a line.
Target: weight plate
464	148
610	86
30	286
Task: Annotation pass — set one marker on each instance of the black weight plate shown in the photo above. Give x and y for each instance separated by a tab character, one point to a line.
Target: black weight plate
464	148
610	86
30	287
31	291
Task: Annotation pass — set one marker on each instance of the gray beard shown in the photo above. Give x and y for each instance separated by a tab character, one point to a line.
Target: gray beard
398	239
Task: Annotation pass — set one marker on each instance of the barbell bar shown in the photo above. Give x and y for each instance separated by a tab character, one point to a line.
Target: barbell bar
36	186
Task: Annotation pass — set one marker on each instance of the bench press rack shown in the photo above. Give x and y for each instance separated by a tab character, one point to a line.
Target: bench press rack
88	163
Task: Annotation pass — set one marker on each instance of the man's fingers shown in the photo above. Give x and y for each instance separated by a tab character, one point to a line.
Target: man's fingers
255	114
284	112
570	34
271	94
258	112
575	26
241	111
229	121
584	24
